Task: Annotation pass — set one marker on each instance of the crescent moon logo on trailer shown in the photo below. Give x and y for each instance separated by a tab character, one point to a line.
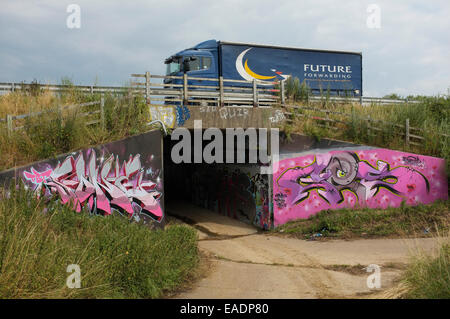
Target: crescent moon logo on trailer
245	71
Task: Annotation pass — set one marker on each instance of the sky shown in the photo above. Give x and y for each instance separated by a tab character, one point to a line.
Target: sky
408	54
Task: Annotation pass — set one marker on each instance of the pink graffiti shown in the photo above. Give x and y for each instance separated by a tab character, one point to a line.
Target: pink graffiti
36	177
101	188
372	178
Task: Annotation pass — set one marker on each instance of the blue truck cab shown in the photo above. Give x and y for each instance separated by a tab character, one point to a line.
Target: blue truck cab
338	72
199	61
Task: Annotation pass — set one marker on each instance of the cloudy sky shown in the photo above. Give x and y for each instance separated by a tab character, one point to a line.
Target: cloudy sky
408	54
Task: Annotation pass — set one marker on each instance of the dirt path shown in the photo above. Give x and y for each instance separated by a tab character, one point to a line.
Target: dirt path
246	263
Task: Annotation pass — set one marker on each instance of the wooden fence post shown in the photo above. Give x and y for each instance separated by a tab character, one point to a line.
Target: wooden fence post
147	87
102	111
368	126
282	93
255	94
407	132
9	123
185	89
58	111
327	122
222	97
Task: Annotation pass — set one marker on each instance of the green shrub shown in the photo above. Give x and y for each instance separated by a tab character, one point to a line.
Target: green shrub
296	91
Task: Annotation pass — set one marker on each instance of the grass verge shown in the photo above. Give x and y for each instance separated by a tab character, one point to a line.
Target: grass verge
57	132
404	221
428	118
117	259
428	276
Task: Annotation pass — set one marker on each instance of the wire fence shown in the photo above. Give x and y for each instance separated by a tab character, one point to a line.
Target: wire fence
216	90
333	119
189	90
16	122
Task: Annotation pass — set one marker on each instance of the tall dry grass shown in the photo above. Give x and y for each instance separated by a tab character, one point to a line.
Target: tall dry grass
430	118
117	259
53	132
36	97
428	274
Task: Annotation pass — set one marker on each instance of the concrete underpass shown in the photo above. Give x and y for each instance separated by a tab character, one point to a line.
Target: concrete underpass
237	191
233	194
232	204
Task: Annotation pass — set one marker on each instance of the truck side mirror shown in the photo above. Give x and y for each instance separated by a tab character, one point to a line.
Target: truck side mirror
186	66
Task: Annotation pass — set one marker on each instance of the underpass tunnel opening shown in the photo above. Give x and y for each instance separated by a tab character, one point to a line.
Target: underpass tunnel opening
235	189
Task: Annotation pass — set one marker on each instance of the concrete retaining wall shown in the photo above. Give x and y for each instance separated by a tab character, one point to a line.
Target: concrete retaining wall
126	177
122	177
346	176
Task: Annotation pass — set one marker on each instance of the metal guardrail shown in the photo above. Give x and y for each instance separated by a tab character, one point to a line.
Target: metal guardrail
16	86
160	90
365	100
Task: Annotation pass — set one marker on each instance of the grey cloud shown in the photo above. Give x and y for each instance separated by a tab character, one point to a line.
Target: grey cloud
408	55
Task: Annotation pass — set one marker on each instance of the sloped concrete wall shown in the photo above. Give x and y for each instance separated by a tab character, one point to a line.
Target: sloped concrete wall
124	177
332	176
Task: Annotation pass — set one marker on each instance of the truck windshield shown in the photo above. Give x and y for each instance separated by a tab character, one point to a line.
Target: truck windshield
173	67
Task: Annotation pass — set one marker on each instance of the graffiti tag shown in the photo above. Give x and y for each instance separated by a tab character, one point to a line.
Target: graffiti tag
280	200
413	160
100	188
36	177
226	112
165	114
277	117
330	176
183	114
